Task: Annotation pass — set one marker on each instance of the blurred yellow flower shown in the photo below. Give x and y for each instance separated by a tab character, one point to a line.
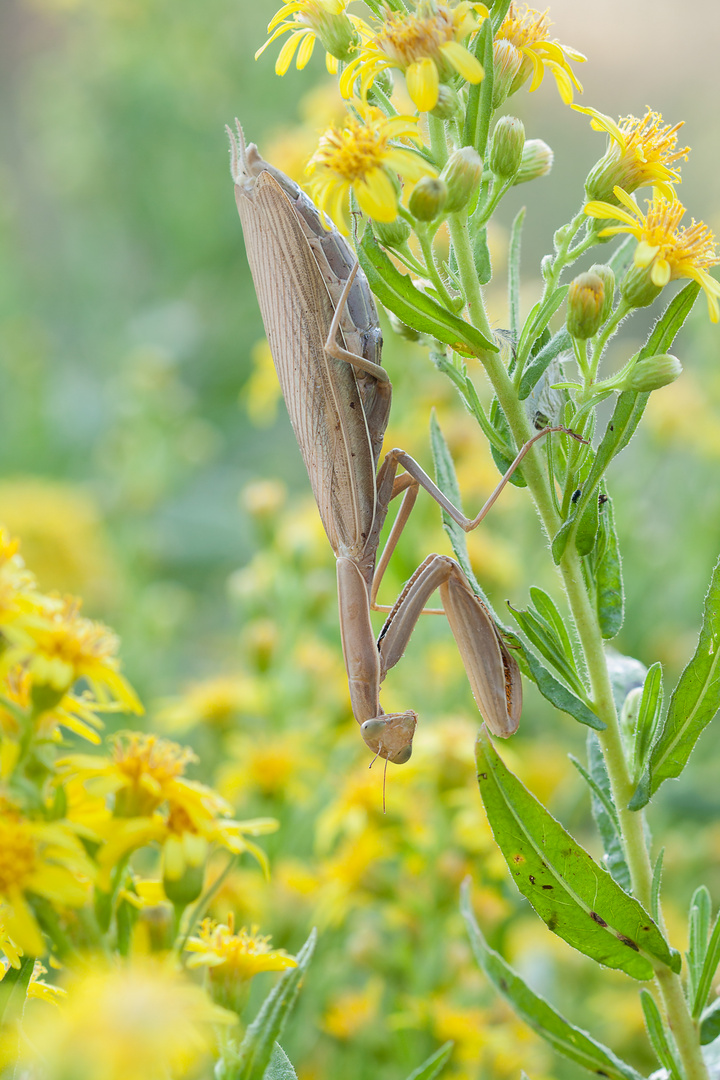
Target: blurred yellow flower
217	702
351	1011
522	49
11	951
668	249
18	590
425	45
139	1021
38	859
360	157
640	152
233	959
60	646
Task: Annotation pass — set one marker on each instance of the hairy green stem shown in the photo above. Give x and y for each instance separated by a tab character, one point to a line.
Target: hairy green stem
586	622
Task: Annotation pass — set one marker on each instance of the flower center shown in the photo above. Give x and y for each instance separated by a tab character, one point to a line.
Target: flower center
352	152
526	28
18	856
409	38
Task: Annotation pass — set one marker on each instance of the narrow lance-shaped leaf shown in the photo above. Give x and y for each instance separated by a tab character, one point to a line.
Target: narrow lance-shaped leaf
499	421
539	317
280	1067
610	594
605	814
552	690
693	704
710	966
559	343
397	292
538	1014
514	272
577	899
434	1065
657	1035
479	99
630	406
699	917
256	1049
542	636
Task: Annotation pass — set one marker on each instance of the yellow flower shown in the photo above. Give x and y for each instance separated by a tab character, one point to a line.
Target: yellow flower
232	959
522	49
640	152
426	46
218	702
155	803
352	1011
60	646
18	592
11	951
38	859
308	21
140	1021
360	157
668	249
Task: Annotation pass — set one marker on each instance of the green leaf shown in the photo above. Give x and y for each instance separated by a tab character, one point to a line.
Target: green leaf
13	991
648	716
535	369
587	528
547	610
553	691
397	292
699	917
479	99
539	317
498	420
605	814
710	965
655	888
538	1014
693	704
577	899
548	644
256	1049
610	594
514	272
657	1036
629	406
481	256
280	1067
710	1023
434	1064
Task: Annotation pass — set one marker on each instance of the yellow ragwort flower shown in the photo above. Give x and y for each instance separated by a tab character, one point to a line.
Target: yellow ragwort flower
307	21
136	1021
8	947
235	955
18	591
522	48
640	152
665	247
361	157
425	45
59	646
38	859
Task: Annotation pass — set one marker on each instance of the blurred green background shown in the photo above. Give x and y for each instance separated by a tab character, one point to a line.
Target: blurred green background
137	425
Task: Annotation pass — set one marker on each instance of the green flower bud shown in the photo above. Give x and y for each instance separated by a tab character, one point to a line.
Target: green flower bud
337	34
605	273
507	145
536	161
637	287
585	304
392	234
653	372
462	174
448	103
507	62
428	198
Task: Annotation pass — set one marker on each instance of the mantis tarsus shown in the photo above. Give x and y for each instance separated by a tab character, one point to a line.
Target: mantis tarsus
324	335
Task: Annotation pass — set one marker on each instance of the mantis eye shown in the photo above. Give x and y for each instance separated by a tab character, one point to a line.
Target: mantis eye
373	729
402	755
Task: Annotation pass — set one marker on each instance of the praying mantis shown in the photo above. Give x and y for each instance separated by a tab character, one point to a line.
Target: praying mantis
322	326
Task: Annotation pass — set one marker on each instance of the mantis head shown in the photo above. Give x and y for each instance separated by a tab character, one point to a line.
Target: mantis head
391	736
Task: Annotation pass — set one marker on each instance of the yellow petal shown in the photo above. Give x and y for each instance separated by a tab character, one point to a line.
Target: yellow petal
423	85
287	52
376	196
463	61
305	51
660	273
644	255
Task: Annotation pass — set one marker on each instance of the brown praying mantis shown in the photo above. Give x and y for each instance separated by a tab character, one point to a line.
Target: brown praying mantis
322	325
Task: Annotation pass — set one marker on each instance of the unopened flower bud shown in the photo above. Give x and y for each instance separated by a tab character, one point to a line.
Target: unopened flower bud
605	273
428	198
507	146
637	288
392	234
337	34
585	304
536	161
462	174
448	103
653	372
507	62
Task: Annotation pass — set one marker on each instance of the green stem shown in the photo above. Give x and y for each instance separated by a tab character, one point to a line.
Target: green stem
593	646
